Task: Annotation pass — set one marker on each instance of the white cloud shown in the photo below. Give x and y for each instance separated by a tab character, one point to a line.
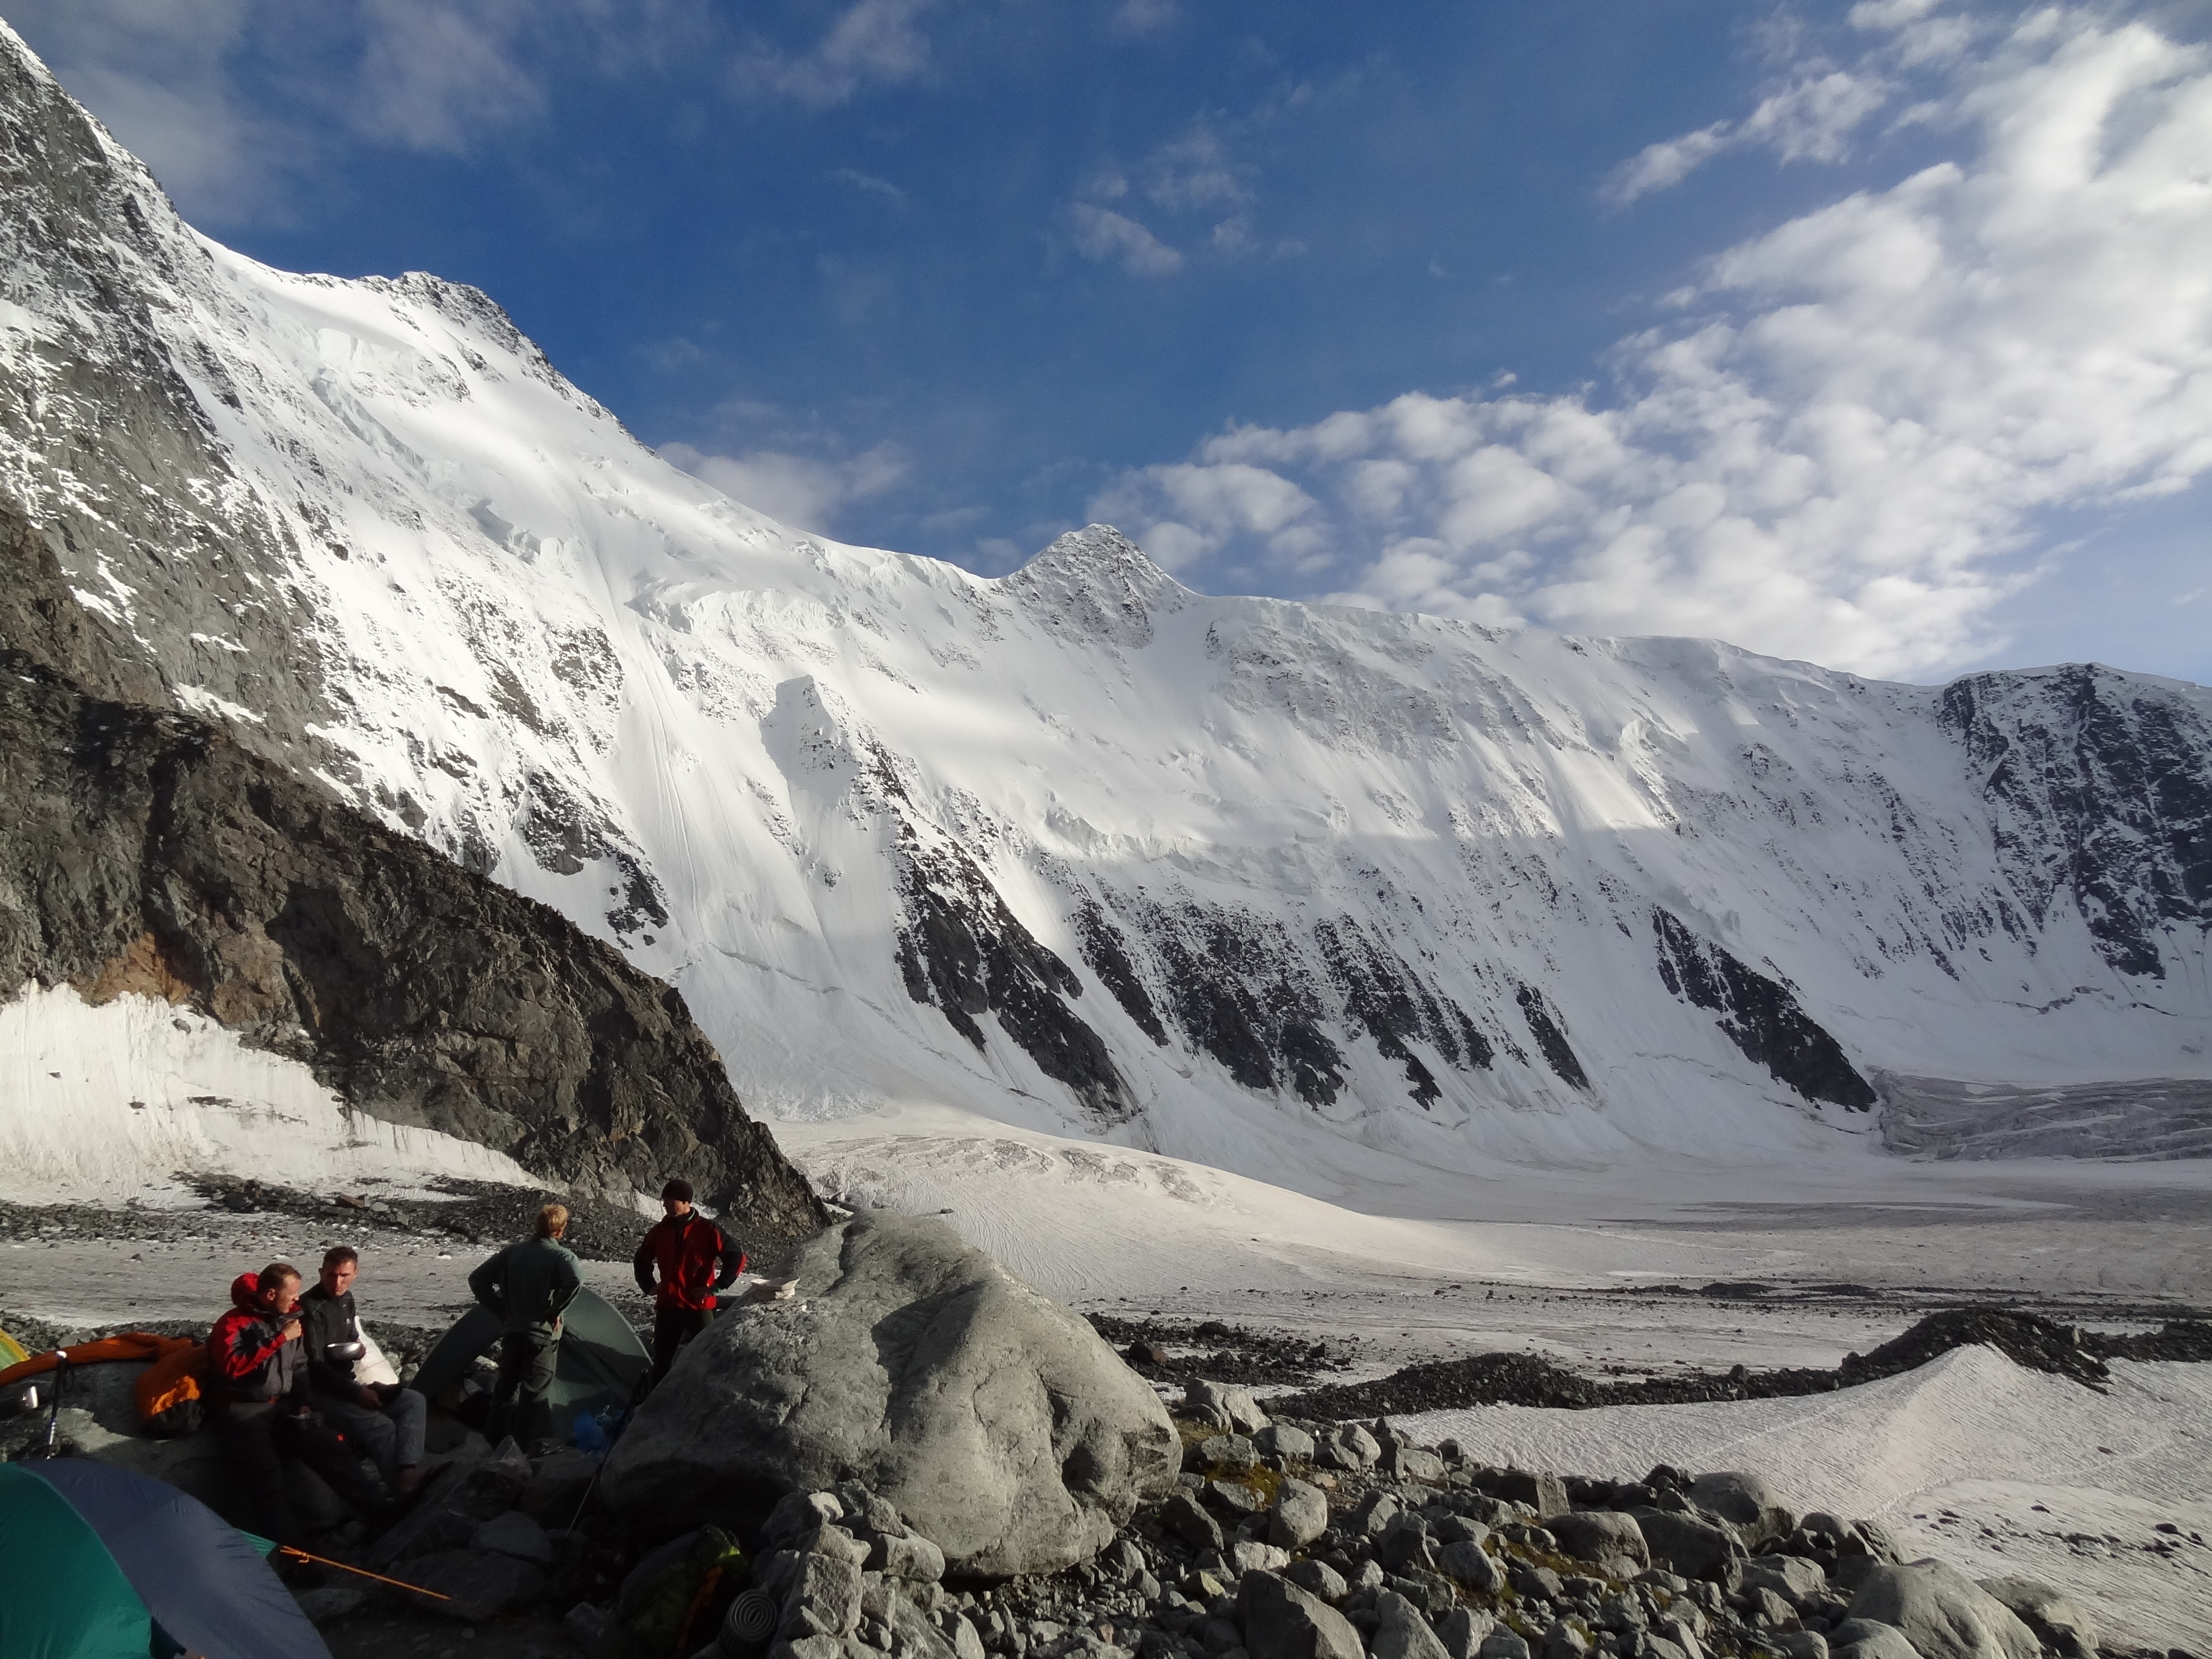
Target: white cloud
1141	17
1194	171
1810	118
1103	234
434	76
1844	452
873	43
798	490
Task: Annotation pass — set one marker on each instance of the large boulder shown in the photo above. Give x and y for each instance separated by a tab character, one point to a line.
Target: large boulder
1942	1612
2057	1620
998	1423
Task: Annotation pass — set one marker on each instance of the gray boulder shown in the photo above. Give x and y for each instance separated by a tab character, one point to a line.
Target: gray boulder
1401	1632
1237	1404
516	1535
1546	1494
1792	1577
1694	1548
1462	1630
2058	1621
823	1600
996	1422
1348	1446
475	1586
1285	1440
1318	1577
1185	1516
1472	1565
1869	1638
1943	1614
1503	1644
1747	1503
1299	1516
1599	1534
1282	1621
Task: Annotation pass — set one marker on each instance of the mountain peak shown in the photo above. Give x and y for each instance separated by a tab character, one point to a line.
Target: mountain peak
1095	580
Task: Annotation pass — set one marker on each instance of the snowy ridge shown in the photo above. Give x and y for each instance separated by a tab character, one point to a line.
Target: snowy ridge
1288	889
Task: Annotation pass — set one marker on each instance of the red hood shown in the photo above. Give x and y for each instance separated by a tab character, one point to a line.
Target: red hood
244	1292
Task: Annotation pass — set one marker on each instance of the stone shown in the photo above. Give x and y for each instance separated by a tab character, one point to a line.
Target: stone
1348	1446
477	1586
1366	1576
1534	1581
1764	1610
798	1515
808	1647
1282	1621
1285	1440
1801	1644
913	1635
966	1643
1564	1641
1405	1543
1416	1463
1233	1497
1593	1534
468	1493
1432	1593
1503	1644
999	1424
1185	1517
516	1535
1747	1503
1869	1638
1227	1451
332	1603
912	1558
584	1625
1691	1548
1403	1632
1794	1579
1321	1579
1472	1565
1242	1411
2058	1621
1121	1561
1245	1556
823	1599
1462	1632
1299	1515
1546	1494
557	1486
1943	1614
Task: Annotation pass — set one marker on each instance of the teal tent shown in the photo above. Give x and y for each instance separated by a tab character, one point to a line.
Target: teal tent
98	1563
598	1365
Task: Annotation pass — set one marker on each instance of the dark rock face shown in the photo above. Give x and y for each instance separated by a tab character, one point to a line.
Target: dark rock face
1759	1016
2101	791
144	851
1551	1039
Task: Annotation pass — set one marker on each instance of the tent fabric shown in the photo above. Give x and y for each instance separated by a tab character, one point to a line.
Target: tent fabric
178	1373
62	1595
204	1581
599	1363
11	1351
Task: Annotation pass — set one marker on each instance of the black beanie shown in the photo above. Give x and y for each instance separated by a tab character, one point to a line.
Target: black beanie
679	1188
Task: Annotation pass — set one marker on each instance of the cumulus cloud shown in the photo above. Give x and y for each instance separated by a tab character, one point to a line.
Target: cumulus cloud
1104	235
1810	118
799	491
434	76
1844	452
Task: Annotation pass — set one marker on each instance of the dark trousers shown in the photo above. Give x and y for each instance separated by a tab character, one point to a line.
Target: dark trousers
258	1441
519	1402
671	1328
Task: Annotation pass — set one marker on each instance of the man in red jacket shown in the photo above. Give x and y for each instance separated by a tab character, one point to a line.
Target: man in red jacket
262	1416
685	1250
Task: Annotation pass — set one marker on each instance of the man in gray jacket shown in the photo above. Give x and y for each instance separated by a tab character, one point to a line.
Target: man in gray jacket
529	1284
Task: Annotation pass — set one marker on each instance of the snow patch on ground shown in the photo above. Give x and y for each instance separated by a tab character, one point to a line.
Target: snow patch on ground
110	1103
1954	1457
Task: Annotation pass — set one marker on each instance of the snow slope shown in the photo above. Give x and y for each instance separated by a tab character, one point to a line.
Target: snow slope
1289	890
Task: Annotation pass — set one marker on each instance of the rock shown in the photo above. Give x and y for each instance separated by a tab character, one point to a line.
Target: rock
1800	1644
1285	1440
1502	1643
1747	1503
1593	1534
475	1586
584	1625
1462	1630
1878	1541
1403	1632
798	1515
331	1603
913	1635
1233	1497
516	1535
557	1486
1300	1515
1247	1557
1227	1451
966	1644
1348	1446
1282	1621
823	1600
1415	1463
808	1647
1321	1579
1472	1565
1533	1582
1943	1614
1869	1638
1564	1641
912	1558
1764	1610
458	1500
1405	1543
1546	1494
1121	1561
999	1424
1242	1411
2058	1621
1792	1577
1185	1517
1432	1593
1691	1548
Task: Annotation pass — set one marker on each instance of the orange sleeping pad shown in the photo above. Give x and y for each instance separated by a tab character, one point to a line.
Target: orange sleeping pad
178	1373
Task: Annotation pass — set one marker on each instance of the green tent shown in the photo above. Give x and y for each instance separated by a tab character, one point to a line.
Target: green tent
598	1365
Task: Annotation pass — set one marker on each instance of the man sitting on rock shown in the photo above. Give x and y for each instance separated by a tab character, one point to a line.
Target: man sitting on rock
384	1420
529	1284
685	1250
261	1405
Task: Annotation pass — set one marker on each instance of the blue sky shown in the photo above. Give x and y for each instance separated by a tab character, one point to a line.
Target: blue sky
1878	335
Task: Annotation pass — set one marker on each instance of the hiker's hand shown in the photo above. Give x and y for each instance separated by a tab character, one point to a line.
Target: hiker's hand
291	1330
370	1398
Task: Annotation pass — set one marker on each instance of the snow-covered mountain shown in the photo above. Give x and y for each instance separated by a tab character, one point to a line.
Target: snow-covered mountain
1251	882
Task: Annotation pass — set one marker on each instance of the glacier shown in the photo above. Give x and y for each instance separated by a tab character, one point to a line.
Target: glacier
1300	892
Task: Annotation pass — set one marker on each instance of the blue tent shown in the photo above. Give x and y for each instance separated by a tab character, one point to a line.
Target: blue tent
97	1563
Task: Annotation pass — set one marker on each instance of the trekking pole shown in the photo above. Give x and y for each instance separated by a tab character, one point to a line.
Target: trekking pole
52	1447
363	1572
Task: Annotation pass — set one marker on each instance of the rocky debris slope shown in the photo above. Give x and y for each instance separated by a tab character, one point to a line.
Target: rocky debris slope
145	852
999	1422
1233	876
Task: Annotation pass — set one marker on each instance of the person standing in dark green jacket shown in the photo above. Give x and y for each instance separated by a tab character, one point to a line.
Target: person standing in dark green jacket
529	1284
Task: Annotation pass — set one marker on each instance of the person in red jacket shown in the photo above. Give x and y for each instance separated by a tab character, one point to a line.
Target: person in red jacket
262	1416
694	1259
